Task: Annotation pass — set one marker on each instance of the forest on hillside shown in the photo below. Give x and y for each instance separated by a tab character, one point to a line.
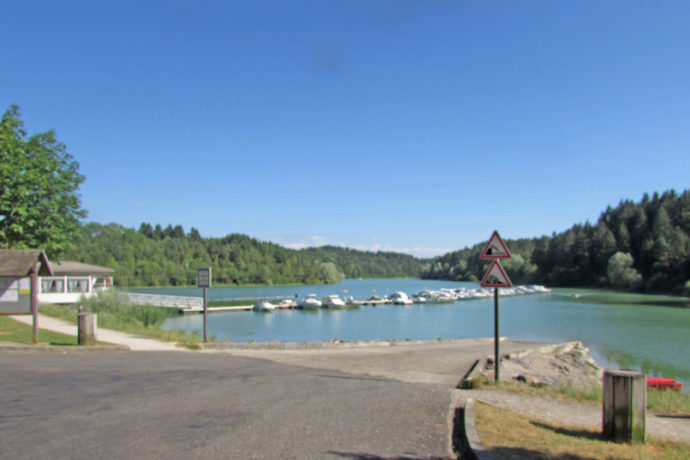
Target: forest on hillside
642	246
157	256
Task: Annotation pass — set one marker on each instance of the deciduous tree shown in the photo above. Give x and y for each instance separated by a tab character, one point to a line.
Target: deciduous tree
40	206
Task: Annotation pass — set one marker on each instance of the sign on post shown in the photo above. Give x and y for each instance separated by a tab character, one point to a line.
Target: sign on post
203	280
203	277
495	248
496	278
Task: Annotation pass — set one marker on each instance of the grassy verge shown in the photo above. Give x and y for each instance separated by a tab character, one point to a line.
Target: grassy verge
531	439
115	312
661	402
623	298
14	331
666	402
230	303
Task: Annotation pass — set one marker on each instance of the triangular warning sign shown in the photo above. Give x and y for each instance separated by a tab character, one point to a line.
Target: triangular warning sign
495	248
496	277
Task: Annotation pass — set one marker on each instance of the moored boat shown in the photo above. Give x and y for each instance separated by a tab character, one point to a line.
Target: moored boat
310	302
264	305
401	298
287	303
332	301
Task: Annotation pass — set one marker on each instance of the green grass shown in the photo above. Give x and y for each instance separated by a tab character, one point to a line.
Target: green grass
16	332
661	402
564	392
668	402
623	298
230	303
116	312
531	439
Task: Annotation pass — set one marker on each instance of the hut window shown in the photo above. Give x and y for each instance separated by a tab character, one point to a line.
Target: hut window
78	285
53	285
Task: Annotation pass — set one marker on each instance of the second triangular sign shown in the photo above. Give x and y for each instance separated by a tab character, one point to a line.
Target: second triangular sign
496	277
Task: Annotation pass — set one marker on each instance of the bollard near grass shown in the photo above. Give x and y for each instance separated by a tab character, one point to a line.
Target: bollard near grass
87	328
624	406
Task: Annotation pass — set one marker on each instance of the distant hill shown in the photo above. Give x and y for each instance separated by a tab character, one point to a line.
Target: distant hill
156	256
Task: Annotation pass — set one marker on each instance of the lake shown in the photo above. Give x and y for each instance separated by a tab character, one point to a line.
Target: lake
654	339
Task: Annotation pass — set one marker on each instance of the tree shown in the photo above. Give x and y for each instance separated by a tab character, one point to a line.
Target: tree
39	202
620	271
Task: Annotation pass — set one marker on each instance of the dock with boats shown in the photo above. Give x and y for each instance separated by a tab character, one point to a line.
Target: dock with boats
193	305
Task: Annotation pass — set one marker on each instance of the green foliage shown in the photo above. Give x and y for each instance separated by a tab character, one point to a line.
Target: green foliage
114	308
367	264
154	256
39	203
620	271
654	233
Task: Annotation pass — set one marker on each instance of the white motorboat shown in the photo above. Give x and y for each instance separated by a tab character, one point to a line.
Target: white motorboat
332	301
400	298
264	305
310	302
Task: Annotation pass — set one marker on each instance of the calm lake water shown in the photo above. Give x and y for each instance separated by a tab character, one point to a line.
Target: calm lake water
654	339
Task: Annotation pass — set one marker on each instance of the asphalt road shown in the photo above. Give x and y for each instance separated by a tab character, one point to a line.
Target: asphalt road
125	405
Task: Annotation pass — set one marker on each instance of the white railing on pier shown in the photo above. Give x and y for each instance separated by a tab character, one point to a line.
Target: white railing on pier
159	300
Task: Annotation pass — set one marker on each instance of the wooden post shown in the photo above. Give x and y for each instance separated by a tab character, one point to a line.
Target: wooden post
624	406
87	328
34	298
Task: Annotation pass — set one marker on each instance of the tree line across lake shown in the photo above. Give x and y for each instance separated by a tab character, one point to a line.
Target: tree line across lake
641	246
156	256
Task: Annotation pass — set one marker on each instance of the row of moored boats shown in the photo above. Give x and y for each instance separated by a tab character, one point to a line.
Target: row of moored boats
444	295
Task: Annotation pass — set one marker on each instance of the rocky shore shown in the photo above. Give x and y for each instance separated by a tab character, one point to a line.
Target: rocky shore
568	364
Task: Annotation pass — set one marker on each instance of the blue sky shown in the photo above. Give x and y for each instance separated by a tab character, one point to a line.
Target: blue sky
396	125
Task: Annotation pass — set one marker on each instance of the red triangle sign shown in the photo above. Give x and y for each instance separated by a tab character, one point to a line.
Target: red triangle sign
496	277
495	248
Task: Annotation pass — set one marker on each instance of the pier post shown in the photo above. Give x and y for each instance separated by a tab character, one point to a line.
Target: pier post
624	406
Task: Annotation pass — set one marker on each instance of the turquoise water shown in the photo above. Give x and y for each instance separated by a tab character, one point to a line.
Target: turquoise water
653	339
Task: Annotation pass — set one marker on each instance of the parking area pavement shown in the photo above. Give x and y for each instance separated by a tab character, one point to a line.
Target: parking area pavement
123	405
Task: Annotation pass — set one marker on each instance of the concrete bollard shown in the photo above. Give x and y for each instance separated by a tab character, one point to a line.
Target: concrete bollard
624	406
87	328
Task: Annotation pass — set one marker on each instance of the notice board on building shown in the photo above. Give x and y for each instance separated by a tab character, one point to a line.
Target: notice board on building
19	271
15	295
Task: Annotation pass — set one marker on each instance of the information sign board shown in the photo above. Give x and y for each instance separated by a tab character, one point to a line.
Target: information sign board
15	296
203	277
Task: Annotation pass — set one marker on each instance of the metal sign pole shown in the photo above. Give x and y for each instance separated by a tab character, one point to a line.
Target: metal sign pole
496	278
203	280
205	314
496	338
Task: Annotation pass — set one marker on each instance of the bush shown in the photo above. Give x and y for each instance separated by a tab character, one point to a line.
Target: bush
114	308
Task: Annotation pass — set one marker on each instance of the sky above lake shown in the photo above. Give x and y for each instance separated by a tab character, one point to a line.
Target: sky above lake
412	126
